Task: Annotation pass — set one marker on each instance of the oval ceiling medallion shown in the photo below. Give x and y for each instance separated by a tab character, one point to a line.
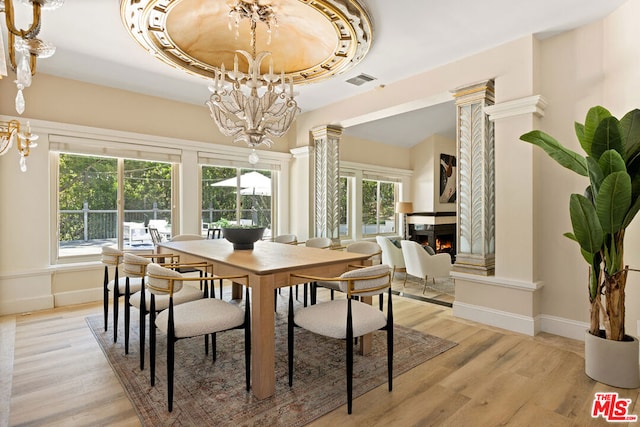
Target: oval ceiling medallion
313	39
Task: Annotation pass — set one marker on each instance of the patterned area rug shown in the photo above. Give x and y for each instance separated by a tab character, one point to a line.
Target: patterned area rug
208	393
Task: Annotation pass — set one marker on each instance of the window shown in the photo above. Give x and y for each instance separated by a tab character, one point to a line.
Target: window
236	196
345	202
89	191
378	212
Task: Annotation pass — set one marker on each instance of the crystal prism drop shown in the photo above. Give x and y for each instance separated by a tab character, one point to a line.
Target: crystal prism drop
253	157
24	71
23	163
20	102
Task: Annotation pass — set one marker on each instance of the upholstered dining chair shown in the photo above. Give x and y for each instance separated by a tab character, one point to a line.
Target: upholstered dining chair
391	255
347	318
360	247
206	316
113	257
290	239
135	266
420	264
314	242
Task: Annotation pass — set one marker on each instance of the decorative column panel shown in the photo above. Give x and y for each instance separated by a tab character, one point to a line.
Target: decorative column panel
476	180
326	140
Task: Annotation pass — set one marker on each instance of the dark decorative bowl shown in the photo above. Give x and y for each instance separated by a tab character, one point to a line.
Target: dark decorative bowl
243	237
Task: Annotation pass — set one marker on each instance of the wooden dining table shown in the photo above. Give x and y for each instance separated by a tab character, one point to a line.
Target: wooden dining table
268	266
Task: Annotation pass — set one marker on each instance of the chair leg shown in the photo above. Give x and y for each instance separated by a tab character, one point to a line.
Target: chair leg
105	297
305	291
424	289
290	337
332	294
152	340
390	341
349	358
127	315
116	299
247	339
220	289
142	327
171	342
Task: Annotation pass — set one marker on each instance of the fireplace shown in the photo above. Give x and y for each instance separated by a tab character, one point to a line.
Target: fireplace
441	237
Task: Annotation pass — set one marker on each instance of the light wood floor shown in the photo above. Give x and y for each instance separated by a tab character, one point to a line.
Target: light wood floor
53	373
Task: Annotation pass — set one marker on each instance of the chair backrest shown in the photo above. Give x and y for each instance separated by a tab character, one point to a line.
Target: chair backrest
367	281
111	255
286	238
214	233
134	265
184	237
155	235
319	242
366	247
391	254
420	264
163	280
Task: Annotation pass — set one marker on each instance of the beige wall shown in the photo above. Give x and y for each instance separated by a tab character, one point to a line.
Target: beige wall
425	163
358	150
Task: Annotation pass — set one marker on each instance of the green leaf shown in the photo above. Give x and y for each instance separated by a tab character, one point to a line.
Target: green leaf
595	176
579	128
630	130
607	137
570	236
613	201
611	161
595	115
565	157
586	227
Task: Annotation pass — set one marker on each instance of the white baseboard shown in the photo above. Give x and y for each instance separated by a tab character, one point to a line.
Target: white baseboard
567	328
26	305
501	319
77	297
564	327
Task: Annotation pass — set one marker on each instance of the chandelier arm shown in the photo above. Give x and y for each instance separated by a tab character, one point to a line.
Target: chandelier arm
33	30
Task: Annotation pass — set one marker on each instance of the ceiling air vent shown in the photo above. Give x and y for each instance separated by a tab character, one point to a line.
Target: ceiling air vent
360	79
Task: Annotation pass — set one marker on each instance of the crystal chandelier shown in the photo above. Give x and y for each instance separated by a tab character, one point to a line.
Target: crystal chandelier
12	132
24	46
254	106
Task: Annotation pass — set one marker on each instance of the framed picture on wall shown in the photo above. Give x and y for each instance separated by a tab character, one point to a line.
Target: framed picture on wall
447	178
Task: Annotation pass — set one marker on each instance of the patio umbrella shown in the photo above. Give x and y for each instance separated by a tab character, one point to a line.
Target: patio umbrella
251	183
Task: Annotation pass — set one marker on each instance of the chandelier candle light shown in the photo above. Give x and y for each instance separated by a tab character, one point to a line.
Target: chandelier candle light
25	43
11	132
255	106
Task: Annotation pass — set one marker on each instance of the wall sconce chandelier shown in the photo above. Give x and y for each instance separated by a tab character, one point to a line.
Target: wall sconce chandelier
255	106
12	132
23	45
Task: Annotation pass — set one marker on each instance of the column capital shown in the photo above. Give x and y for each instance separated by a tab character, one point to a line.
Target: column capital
483	90
326	131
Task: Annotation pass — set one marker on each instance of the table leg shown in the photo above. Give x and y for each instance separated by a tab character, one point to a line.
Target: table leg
262	336
236	291
366	341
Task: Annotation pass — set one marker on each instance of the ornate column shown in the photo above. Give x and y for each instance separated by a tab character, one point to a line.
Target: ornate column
476	180
326	185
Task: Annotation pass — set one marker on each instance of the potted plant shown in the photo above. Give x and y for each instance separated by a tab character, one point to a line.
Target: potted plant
242	236
599	218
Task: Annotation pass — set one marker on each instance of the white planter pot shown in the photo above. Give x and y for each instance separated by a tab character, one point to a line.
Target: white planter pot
614	363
